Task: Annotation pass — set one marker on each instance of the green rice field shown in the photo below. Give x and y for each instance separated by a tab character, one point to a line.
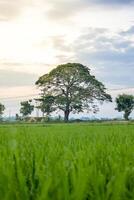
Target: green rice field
67	162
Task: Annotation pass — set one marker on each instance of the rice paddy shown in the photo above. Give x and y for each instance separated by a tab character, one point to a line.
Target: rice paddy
67	162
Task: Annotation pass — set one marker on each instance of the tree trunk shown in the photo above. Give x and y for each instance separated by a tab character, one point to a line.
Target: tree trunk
66	115
43	114
126	116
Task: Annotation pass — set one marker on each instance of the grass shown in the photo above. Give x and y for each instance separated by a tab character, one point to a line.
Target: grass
67	162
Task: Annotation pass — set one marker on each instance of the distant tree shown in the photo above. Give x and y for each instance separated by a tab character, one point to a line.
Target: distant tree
26	108
59	118
2	108
125	103
17	117
46	104
73	87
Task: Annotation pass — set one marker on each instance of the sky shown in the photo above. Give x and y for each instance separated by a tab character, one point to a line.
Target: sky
37	35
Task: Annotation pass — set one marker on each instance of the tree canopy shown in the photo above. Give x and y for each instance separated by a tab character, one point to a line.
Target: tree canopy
2	108
46	104
73	88
125	103
26	108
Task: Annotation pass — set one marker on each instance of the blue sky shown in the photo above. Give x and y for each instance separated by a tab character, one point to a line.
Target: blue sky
36	36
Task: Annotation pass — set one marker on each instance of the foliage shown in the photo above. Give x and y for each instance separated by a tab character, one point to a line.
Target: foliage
67	162
125	103
2	108
74	88
46	104
26	108
17	117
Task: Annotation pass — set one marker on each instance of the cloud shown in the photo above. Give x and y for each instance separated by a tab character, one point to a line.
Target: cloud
59	42
32	69
112	1
12	8
56	9
128	32
109	56
12	78
63	9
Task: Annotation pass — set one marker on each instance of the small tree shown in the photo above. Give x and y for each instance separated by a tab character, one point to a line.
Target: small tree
74	88
2	108
17	117
46	104
26	108
125	103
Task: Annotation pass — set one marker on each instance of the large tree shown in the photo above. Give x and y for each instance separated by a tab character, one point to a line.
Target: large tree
73	87
125	103
26	108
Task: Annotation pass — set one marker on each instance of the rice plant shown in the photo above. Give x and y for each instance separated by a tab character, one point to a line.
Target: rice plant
67	162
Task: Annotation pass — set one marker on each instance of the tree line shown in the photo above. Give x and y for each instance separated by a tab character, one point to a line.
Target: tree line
71	88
